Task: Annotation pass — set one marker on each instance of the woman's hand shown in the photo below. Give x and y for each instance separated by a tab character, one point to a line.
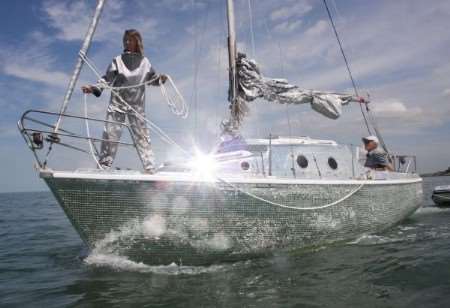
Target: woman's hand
163	78
87	89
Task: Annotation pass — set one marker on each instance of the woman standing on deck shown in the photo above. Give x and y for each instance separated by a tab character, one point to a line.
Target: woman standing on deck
131	68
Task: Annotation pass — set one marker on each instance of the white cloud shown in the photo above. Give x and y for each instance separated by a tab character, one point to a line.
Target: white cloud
50	78
287	26
35	63
390	106
71	20
319	28
395	110
180	5
291	10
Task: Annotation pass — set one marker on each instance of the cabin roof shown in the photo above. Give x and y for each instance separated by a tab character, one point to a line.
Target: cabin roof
279	140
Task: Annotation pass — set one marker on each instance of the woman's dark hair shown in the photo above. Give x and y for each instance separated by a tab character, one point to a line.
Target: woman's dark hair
137	36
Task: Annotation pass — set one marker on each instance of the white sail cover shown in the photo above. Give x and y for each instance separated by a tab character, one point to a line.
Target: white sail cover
252	85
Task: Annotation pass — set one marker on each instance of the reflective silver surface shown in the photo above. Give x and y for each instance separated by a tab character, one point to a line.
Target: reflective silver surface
196	223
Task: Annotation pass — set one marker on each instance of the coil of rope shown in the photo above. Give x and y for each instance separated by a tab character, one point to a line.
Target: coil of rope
175	101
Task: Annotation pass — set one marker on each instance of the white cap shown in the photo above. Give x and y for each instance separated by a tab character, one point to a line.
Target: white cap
371	138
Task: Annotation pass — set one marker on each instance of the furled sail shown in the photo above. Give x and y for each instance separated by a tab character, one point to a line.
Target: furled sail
252	85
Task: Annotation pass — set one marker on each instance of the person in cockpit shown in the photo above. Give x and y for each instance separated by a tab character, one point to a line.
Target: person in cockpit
376	158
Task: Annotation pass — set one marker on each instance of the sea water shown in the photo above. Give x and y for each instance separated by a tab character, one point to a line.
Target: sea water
44	263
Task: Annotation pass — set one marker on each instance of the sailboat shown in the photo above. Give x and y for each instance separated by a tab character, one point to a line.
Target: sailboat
249	197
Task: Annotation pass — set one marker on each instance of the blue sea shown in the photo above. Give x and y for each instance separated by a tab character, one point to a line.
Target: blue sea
43	263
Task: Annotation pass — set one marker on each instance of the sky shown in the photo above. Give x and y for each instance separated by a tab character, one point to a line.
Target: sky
398	52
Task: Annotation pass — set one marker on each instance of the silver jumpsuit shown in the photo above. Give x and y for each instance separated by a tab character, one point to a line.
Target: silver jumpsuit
126	70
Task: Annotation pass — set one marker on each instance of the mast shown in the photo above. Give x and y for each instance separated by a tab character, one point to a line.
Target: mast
232	61
84	49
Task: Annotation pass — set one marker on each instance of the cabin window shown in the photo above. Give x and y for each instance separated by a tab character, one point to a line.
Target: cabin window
245	165
332	163
302	161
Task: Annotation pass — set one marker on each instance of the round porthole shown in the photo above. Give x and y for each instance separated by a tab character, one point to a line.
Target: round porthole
302	161
332	163
245	165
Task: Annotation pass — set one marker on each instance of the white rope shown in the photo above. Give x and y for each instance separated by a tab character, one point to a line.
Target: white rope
88	134
176	103
294	207
153	126
131	86
92	66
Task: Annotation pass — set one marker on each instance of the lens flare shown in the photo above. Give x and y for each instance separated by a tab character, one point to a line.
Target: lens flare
204	166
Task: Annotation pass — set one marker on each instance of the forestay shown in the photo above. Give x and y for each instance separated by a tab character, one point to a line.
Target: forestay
252	85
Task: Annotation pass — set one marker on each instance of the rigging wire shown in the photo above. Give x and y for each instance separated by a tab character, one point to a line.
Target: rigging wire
88	133
347	65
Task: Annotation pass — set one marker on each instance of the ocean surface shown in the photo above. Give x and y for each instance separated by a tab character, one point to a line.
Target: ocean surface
43	263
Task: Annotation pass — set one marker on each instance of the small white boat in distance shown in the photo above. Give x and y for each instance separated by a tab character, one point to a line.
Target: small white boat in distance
441	195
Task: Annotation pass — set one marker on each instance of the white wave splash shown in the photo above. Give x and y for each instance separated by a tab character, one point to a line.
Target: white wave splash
109	252
122	263
154	226
430	210
369	239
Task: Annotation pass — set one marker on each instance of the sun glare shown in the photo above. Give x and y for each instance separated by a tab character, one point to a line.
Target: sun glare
204	166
